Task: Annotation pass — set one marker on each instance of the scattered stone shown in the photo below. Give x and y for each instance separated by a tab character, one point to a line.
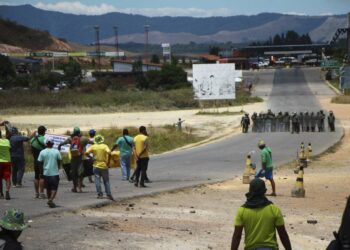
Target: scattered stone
322	238
191	207
127	209
131	205
210	247
312	222
126	220
208	232
192	211
155	203
204	193
190	232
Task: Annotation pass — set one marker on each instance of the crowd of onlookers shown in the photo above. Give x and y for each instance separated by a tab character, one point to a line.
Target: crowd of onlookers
85	157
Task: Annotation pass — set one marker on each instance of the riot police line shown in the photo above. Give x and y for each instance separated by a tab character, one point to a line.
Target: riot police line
286	122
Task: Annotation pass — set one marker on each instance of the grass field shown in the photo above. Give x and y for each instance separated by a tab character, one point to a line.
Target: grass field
72	101
162	139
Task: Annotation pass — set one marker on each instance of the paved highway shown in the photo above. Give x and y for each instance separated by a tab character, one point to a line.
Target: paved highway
284	89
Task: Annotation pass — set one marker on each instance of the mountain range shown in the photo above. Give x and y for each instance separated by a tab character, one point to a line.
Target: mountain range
182	30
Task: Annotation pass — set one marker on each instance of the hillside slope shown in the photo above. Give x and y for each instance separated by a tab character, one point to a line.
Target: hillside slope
79	28
18	38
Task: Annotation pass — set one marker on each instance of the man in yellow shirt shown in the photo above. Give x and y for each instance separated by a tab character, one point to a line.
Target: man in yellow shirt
101	157
259	218
142	157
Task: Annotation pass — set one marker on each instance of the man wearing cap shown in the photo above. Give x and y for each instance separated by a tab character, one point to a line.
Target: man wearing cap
77	149
266	165
38	143
5	166
101	155
51	159
12	224
259	218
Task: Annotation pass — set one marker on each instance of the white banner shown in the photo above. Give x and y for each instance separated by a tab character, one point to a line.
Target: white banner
215	81
57	139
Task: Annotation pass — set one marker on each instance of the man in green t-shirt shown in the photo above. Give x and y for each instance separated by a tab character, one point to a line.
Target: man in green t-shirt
125	145
259	218
266	165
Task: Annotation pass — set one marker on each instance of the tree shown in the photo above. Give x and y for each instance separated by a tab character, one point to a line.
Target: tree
291	37
277	40
214	50
72	71
7	70
155	59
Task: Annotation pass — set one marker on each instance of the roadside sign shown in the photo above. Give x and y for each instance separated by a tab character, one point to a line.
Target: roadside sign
57	139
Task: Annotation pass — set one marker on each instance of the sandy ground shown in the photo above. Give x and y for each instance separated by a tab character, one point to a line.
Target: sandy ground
202	217
204	125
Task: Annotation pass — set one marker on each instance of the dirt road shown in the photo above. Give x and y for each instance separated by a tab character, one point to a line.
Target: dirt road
202	217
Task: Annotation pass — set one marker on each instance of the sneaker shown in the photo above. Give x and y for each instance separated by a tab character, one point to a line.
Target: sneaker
1	196
148	181
51	204
14	186
100	196
42	196
110	197
136	184
143	186
37	196
7	196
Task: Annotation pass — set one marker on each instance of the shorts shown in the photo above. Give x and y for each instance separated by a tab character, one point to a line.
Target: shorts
268	173
51	182
5	170
38	167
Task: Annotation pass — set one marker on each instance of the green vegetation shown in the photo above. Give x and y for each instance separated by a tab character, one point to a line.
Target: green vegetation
21	36
162	139
89	99
291	37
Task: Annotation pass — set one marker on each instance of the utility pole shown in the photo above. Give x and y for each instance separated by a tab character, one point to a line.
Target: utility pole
146	43
116	40
97	44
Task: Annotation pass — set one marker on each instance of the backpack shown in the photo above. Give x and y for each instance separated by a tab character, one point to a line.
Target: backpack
75	147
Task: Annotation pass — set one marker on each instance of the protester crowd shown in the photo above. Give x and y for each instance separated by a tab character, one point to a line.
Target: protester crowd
86	157
286	122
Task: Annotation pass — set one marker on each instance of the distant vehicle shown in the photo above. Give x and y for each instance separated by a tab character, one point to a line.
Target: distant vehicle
312	62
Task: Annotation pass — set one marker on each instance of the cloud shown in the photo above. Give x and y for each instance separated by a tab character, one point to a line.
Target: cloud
80	8
77	8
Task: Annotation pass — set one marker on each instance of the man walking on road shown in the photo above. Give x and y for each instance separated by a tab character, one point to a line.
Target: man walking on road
259	218
38	143
51	159
17	156
101	155
141	146
331	121
266	165
125	144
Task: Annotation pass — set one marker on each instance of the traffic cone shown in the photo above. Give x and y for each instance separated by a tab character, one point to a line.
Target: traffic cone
246	173
298	190
302	156
309	152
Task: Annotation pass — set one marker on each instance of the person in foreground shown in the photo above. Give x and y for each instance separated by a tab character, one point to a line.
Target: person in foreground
11	224
259	218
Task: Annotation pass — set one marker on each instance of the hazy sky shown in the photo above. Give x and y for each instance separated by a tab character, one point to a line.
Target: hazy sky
197	8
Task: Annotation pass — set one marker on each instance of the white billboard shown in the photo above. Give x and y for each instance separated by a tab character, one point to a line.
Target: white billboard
214	81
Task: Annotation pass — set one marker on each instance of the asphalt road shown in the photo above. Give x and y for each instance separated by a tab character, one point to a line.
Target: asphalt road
284	89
